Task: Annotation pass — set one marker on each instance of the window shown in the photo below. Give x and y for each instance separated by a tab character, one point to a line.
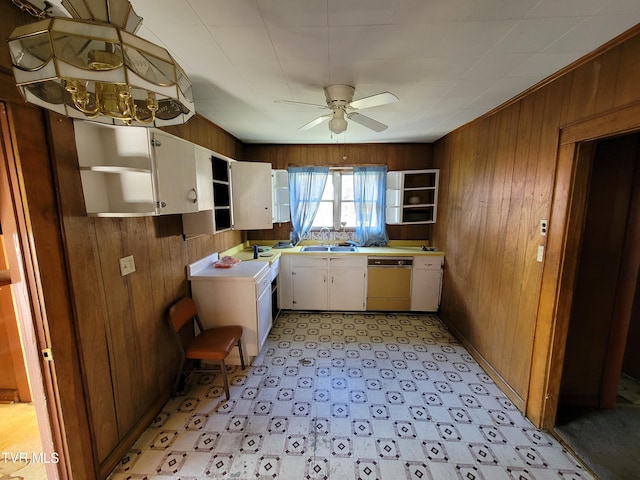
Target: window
337	208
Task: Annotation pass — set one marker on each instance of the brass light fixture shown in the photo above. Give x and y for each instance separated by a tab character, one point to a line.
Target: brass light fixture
93	67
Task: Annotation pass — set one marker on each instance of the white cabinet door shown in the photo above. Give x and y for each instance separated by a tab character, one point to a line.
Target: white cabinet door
347	282
204	178
175	174
285	289
251	195
265	319
426	283
280	196
347	289
309	288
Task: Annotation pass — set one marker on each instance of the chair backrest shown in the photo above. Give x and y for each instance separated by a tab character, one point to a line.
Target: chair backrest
181	312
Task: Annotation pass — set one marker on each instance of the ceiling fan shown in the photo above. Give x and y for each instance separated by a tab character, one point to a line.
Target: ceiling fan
340	102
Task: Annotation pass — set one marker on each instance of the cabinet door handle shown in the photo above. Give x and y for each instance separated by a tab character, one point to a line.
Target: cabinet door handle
193	195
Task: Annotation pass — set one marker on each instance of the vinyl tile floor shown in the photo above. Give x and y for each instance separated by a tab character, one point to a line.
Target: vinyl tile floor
346	396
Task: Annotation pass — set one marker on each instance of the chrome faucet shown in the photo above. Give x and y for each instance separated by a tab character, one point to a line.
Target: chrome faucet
325	229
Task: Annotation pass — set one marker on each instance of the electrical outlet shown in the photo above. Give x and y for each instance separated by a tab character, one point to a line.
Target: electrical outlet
544	226
127	265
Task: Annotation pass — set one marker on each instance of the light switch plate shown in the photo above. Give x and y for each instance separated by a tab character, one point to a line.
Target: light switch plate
127	265
540	256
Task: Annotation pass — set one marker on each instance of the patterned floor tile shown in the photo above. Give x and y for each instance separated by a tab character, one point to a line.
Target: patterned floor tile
349	396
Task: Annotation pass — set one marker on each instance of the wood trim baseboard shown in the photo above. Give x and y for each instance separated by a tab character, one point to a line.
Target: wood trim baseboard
109	463
511	394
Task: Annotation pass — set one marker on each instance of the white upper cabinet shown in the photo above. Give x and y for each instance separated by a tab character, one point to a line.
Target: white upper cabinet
241	198
412	196
251	195
204	177
116	170
136	171
280	196
175	168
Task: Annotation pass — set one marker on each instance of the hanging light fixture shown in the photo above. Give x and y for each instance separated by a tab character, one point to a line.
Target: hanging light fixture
95	68
338	124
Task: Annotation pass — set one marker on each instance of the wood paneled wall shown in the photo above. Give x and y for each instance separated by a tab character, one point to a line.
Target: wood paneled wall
395	156
497	178
129	354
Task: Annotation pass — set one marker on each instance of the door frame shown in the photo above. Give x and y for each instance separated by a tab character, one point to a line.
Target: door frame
576	144
27	304
26	138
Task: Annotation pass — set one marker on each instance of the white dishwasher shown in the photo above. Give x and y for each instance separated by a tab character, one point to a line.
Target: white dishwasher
240	295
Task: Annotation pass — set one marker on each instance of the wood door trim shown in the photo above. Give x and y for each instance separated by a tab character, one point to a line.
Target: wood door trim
62	378
26	299
617	121
558	276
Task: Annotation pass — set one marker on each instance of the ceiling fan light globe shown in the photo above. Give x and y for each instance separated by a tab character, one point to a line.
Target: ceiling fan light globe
337	125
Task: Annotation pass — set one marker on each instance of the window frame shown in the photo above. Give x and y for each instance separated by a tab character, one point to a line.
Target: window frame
336	179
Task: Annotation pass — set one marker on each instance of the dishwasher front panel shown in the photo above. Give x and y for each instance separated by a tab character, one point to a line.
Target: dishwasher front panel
388	289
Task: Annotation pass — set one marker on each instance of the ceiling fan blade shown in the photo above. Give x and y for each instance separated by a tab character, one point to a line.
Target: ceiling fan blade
301	103
368	122
383	98
315	122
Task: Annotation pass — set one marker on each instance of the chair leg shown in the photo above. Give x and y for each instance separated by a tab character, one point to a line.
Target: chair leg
241	354
176	382
224	378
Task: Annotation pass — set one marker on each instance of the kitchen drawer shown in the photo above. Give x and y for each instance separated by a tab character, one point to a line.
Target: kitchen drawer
348	261
428	262
263	282
310	260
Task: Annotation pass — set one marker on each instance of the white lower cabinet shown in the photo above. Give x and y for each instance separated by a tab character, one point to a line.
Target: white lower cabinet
244	301
347	283
426	283
311	282
309	288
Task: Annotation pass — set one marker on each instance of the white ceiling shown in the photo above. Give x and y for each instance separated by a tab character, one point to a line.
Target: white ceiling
449	61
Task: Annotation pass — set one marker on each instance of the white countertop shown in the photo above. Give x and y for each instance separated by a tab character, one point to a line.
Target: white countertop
204	269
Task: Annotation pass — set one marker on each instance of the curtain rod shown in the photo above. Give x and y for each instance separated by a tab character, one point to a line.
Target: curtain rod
342	167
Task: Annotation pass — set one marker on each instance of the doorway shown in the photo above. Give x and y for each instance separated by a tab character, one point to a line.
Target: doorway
25	457
597	416
19	431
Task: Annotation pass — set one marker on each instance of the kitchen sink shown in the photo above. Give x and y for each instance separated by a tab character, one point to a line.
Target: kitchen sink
339	248
314	248
323	248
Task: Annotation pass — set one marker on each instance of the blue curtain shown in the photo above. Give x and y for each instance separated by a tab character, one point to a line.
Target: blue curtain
369	192
306	185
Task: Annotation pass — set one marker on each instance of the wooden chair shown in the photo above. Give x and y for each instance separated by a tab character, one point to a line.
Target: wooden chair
213	344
